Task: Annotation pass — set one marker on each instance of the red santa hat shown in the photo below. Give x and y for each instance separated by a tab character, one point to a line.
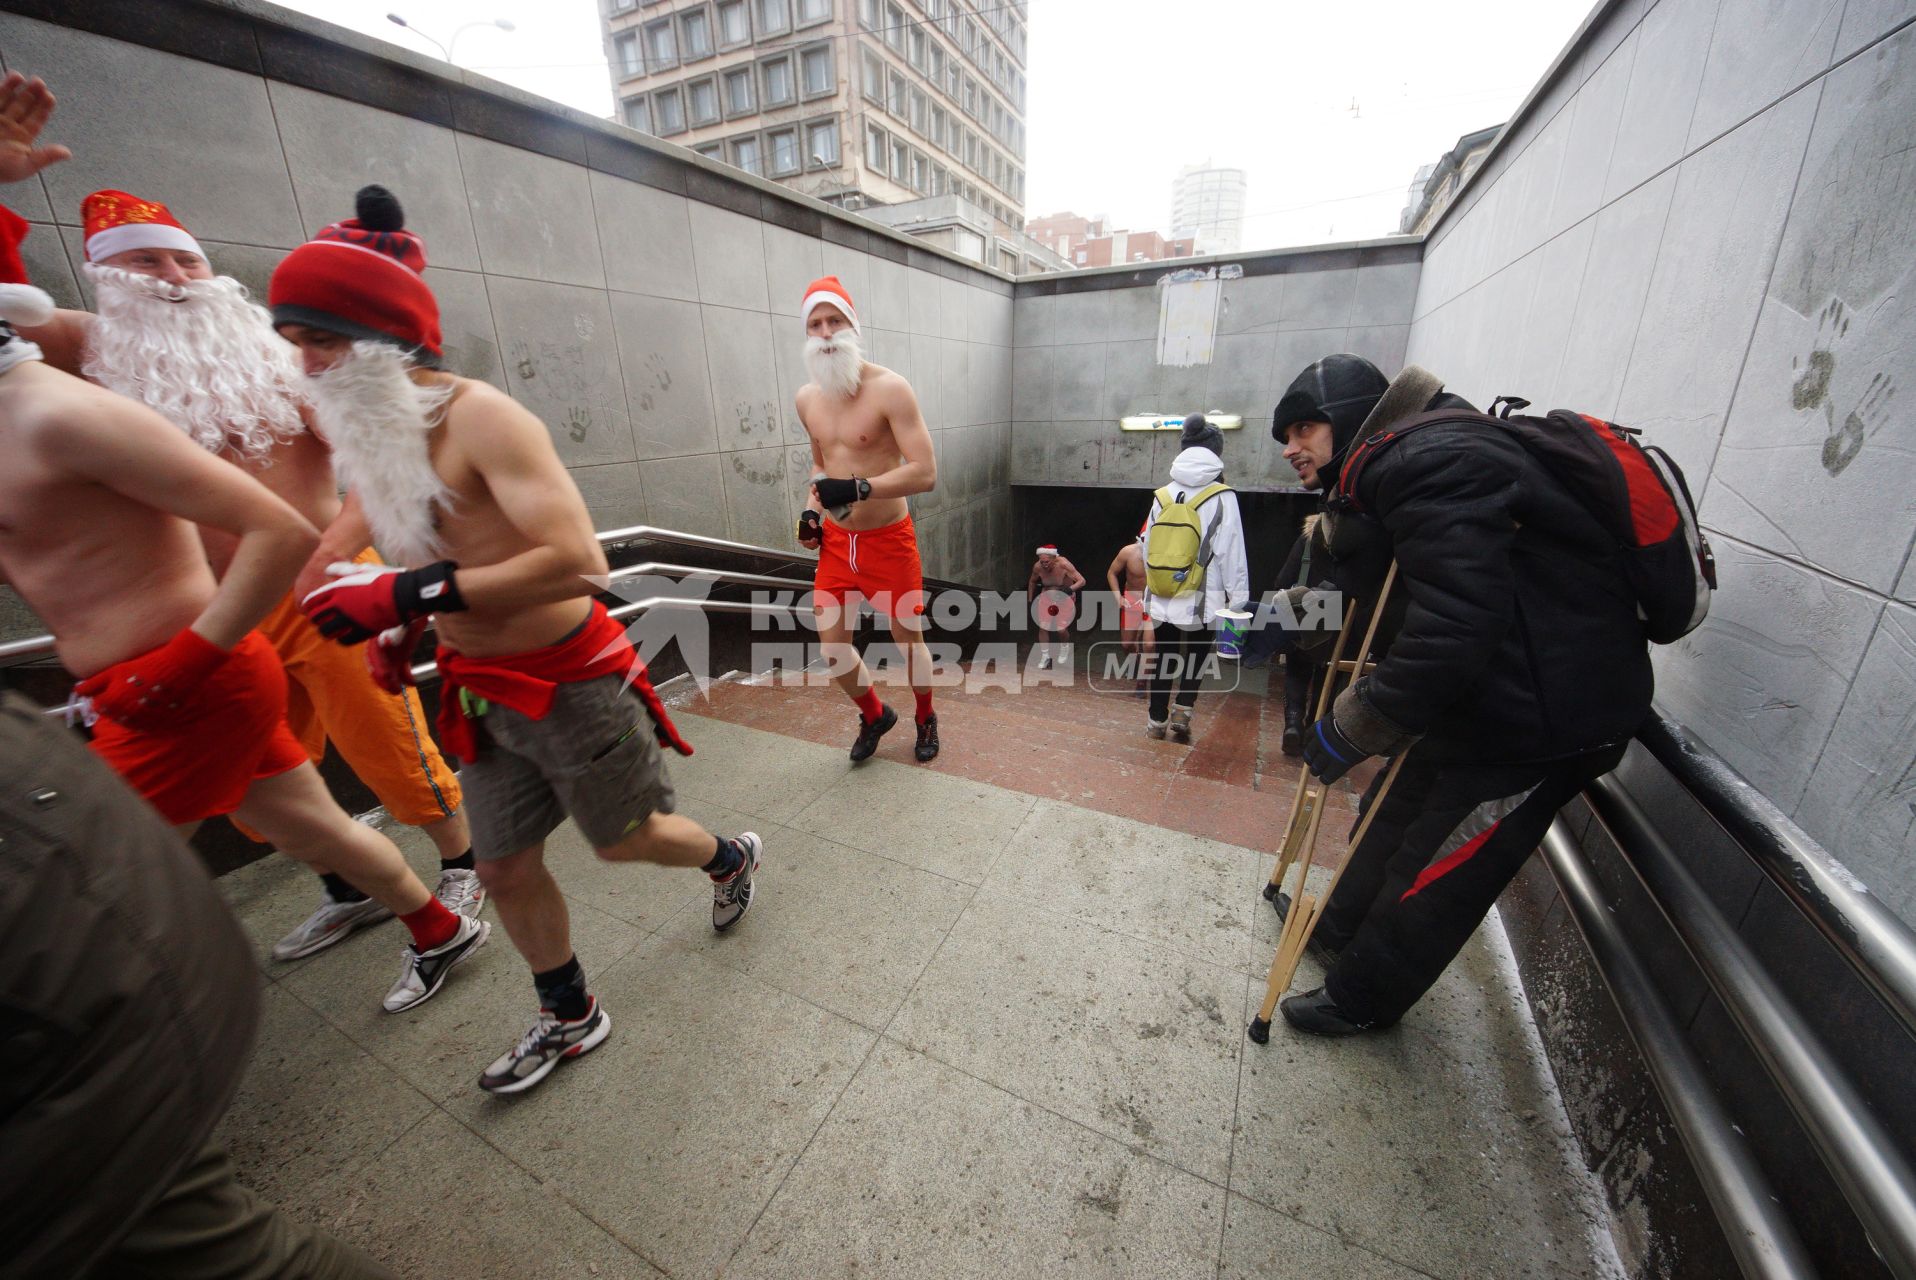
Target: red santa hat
20	302
117	221
827	289
361	278
1047	550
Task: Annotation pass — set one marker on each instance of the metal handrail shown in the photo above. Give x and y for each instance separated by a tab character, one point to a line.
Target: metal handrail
1859	1154
1875	943
1759	1233
15	652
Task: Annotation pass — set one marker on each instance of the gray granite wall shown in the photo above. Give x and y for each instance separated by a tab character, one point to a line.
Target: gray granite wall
1086	353
640	300
1705	226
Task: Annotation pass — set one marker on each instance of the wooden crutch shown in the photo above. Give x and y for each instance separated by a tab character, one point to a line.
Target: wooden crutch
1306	907
1300	829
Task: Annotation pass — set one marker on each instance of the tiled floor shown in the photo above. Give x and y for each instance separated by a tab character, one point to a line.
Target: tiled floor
986	1019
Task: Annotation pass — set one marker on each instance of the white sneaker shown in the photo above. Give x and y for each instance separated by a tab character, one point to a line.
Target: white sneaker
423	973
328	925
1154	729
1044	664
732	898
544	1046
460	892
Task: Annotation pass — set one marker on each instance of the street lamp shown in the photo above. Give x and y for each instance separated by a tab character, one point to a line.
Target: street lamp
445	50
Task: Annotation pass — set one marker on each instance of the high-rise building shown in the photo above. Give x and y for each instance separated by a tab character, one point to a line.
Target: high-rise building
1438	183
855	102
1207	205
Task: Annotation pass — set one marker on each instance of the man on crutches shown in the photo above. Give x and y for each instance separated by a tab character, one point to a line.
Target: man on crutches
1518	676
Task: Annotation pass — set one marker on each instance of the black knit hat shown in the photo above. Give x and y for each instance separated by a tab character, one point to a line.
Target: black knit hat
1198	433
1340	390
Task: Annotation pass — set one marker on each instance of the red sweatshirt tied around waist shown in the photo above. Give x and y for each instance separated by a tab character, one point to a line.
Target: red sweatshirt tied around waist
527	682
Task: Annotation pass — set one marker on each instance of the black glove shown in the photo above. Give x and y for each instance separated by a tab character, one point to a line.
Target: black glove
841	493
811	529
1329	753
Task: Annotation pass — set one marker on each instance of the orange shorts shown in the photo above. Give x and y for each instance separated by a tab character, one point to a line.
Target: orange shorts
881	565
232	735
382	737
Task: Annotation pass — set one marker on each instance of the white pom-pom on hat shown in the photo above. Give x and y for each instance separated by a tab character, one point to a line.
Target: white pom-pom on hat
25	305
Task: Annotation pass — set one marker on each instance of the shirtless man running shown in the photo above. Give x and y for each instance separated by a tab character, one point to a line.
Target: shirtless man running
1049	586
97	506
872	450
195	348
541	694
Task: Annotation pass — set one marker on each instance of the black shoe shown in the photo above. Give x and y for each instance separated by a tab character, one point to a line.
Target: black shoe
1317	949
927	748
869	734
1292	743
1317	1014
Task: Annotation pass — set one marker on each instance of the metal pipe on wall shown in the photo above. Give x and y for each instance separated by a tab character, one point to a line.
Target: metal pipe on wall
1759	1233
1864	1160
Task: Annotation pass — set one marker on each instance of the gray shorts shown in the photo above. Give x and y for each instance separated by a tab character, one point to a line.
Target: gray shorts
593	758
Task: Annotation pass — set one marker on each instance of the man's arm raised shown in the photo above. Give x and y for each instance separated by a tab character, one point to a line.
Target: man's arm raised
133	451
919	471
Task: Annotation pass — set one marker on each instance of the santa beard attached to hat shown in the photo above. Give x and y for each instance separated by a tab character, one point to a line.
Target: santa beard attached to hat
836	363
200	353
379	423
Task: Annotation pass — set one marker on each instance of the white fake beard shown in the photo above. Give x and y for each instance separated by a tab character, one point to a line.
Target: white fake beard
200	354
378	421
835	363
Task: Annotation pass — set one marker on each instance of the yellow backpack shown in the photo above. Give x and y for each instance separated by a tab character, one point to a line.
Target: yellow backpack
1178	548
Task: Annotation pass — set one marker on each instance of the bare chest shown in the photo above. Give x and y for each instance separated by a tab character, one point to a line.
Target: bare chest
851	432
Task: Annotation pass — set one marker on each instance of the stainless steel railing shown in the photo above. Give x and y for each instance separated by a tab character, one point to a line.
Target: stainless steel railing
1861	1155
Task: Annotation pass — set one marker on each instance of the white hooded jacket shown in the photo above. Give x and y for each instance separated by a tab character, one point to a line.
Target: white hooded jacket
1228	579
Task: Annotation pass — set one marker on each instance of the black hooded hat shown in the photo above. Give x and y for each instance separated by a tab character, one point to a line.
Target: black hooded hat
1341	390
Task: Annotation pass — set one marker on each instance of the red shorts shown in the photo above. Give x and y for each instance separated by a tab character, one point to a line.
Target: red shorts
881	565
233	734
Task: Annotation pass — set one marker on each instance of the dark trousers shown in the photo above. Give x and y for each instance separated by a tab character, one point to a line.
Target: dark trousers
209	1227
1191	646
1446	840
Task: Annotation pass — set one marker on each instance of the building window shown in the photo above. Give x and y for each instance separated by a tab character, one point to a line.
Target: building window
968	96
784	146
637	114
900	160
1081	254
776	77
814	11
915	42
920	172
968	37
695	34
745	154
774	16
668	110
876	145
821	144
868	14
712	151
935	64
734	23
821	77
661	50
940	180
702	101
895	88
894	28
626	61
918	104
873	70
739	100
952	77
940	123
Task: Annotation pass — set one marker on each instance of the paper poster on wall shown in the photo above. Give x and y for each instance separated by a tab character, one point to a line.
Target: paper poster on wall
1187	317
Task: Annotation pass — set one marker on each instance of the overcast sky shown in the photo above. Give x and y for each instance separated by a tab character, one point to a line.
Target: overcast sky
1330	108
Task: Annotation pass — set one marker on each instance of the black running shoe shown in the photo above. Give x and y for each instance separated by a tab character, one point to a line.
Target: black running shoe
1316	1013
550	1041
927	748
869	734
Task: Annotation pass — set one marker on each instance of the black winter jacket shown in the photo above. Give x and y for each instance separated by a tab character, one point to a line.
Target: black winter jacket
1520	639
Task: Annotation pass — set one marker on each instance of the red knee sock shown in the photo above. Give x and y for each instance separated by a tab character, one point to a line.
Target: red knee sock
432	925
869	706
924	705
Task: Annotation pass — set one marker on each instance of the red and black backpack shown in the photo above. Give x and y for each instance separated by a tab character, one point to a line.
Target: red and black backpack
1635	492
